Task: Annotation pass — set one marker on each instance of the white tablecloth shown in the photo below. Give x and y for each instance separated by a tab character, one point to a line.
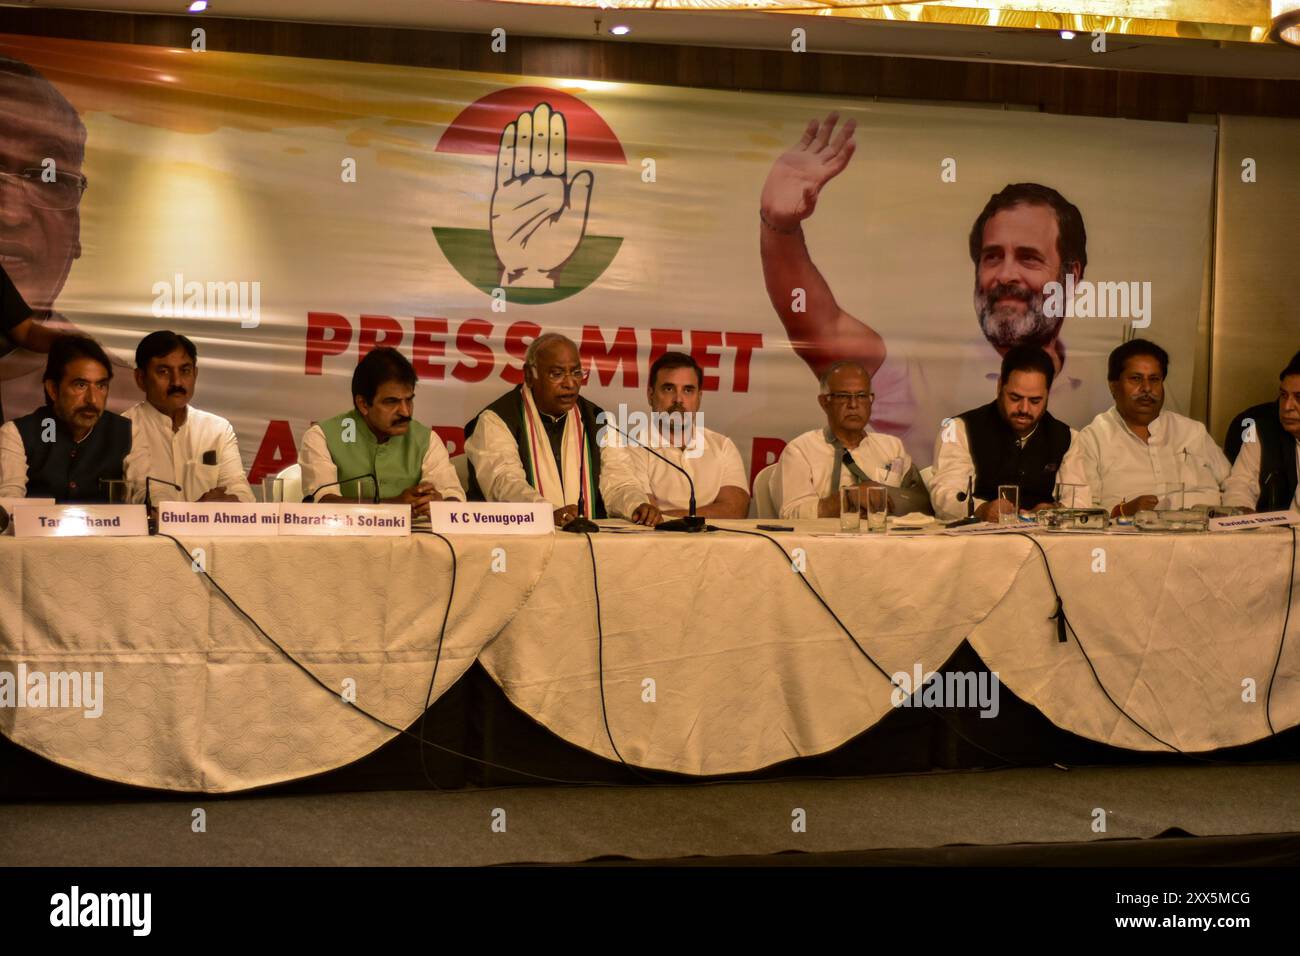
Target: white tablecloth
716	659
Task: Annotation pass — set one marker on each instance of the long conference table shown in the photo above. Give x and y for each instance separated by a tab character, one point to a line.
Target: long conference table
712	656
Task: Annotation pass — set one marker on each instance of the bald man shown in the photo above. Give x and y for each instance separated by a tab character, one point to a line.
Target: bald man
538	442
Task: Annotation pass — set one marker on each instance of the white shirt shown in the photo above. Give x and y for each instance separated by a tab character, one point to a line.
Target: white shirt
13	462
177	456
716	466
953	467
318	468
500	474
807	463
1116	465
1242	487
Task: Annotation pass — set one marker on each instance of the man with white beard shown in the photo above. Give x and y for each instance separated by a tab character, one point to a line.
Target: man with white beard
1027	236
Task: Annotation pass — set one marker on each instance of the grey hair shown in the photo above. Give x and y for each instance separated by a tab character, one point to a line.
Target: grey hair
825	379
543	341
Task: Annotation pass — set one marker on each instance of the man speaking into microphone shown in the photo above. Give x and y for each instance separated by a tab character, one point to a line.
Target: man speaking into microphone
538	442
676	432
379	436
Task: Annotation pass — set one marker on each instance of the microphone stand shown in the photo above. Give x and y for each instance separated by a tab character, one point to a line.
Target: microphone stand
148	503
691	523
311	498
969	497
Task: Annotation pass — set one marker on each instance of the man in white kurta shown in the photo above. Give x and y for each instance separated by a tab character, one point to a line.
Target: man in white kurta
188	447
809	463
1134	456
675	429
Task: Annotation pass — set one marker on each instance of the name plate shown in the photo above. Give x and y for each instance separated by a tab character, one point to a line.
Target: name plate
340	518
79	521
491	517
1264	519
216	518
7	506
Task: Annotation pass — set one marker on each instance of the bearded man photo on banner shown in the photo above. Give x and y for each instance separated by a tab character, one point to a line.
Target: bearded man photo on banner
1027	236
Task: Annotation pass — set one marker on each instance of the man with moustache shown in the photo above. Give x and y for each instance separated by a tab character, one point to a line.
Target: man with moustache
69	448
1013	440
40	224
1267	466
1135	456
379	436
187	446
539	442
817	464
1026	236
677	432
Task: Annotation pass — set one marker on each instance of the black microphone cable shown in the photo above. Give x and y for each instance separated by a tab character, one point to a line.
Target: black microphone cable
822	601
361	710
1286	620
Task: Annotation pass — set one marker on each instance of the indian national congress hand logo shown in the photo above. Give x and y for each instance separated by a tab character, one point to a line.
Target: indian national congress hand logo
536	247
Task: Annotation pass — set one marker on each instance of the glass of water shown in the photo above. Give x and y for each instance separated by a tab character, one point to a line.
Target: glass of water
272	490
850	510
877	507
1011	494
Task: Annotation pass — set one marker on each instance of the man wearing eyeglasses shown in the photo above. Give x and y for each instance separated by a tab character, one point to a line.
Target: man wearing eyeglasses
42	144
538	442
817	464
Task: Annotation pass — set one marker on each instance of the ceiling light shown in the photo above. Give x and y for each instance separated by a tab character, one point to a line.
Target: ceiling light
1286	22
1067	34
620	30
198	6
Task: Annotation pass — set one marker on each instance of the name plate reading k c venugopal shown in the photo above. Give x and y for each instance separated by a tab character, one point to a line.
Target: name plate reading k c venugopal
491	517
79	521
218	518
337	518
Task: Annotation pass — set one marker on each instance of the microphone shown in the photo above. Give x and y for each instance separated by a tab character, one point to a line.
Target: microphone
162	481
1269	500
311	498
692	523
581	524
967	496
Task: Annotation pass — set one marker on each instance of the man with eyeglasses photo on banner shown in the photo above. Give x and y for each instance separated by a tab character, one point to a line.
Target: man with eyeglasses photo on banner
42	145
817	464
538	442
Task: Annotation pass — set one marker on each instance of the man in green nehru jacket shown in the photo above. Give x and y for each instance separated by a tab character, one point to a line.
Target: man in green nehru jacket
379	436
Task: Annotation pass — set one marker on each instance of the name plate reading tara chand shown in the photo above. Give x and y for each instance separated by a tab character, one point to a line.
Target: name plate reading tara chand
218	518
339	518
79	521
492	517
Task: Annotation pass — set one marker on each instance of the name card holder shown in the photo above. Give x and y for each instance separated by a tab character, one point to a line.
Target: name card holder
1265	519
337	518
79	521
218	518
491	517
7	506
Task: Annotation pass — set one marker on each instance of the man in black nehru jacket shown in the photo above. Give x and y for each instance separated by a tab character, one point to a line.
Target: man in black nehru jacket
1013	440
70	447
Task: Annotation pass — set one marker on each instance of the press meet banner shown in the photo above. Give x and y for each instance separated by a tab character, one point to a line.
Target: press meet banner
290	214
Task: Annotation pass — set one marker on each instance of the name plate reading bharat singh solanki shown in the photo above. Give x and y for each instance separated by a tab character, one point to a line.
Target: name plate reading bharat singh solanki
491	517
226	518
79	521
338	518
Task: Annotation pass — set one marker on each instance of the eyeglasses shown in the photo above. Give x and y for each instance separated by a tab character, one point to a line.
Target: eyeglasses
555	374
848	398
62	192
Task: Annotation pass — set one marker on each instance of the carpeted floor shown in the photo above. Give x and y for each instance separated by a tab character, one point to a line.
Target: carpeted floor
902	815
